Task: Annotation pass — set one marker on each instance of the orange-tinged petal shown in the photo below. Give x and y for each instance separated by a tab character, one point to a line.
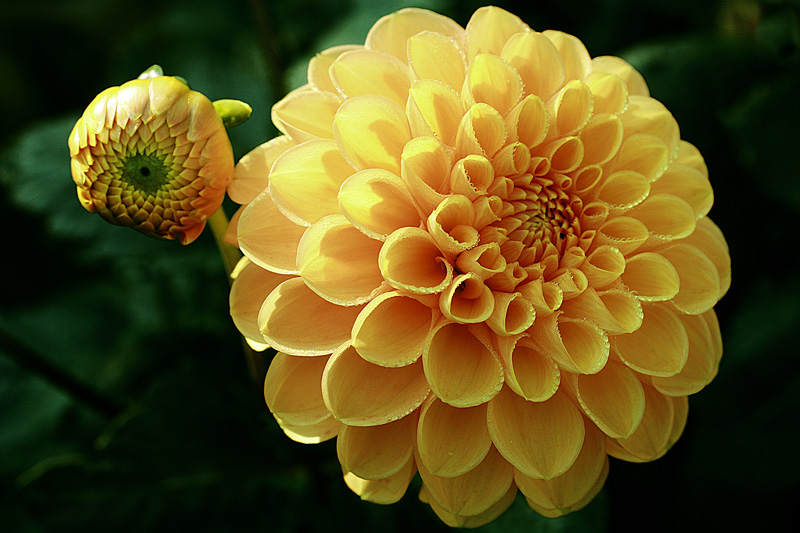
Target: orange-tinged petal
376	452
451	225
512	160
338	262
359	393
603	266
601	138
305	114
392	329
425	167
528	122
537	61
467	300
251	174
530	372
461	370
305	180
365	71
571	108
386	490
645	154
576	59
667	217
250	287
492	81
451	441
625	233
392	32
313	433
410	260
319	67
654	435
472	493
688	184
371	131
546	297
616	311
485	261
471	177
651	277
268	238
577	345
294	319
708	238
700	283
293	391
659	347
649	116
512	313
541	439
565	153
488	30
625	189
434	109
613	399
619	67
473	521
576	487
435	56
377	202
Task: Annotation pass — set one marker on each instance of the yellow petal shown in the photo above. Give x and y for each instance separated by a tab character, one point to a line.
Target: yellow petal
651	277
546	297
338	262
434	109
251	174
451	225
425	165
488	30
461	370
625	233
652	438
435	56
391	330
613	399
619	67
576	487
268	238
474	521
248	291
578	346
293	391
705	352
708	238
565	153
659	347
392	32
643	153
482	132
700	283
365	71
537	61
616	311
690	156
512	160
528	121
311	434
376	452
609	91
294	319
467	300
485	261
472	493
688	184
512	313
492	81
305	114
371	131
649	116
530	372
576	59
377	202
451	441
603	266
571	108
410	260
319	66
601	138
359	393
541	439
471	176
384	491
305	180
625	189
666	216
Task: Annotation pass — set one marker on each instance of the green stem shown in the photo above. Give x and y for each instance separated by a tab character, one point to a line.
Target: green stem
229	253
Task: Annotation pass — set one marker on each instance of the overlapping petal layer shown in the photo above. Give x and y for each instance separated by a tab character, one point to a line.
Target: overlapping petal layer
490	257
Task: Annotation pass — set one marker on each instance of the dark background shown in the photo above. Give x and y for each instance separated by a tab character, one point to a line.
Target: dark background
125	399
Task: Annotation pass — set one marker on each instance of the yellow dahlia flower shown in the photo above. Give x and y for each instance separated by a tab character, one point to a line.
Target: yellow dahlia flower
153	155
483	257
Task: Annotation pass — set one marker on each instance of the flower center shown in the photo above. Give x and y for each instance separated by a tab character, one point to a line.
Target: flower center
145	172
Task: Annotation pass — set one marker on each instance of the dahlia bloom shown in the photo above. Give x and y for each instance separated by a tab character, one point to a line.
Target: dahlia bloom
153	155
483	257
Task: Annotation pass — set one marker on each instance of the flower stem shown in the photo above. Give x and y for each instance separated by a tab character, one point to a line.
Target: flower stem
229	253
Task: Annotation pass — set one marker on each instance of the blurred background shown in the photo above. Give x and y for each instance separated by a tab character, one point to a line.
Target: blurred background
126	403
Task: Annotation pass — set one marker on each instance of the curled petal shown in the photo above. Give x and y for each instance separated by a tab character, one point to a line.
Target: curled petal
384	491
616	311
376	452
651	277
359	393
292	389
574	488
294	319
541	439
305	114
627	188
371	131
305	180
609	91
708	238
461	370
425	167
471	176
391	33
530	372
392	329
705	352
571	108
654	435
576	59
451	441
377	202
619	67
451	225
565	153
649	116
434	109
467	300
319	67
645	154
435	56
472	493
537	61
488	30
250	287
601	138
387	75
528	121
410	260
251	174
482	132
512	313
512	160
492	81
578	346
338	262
473	521
546	297
603	266
613	399
688	184
312	433
667	217
268	238
485	261
700	283
659	347
625	233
